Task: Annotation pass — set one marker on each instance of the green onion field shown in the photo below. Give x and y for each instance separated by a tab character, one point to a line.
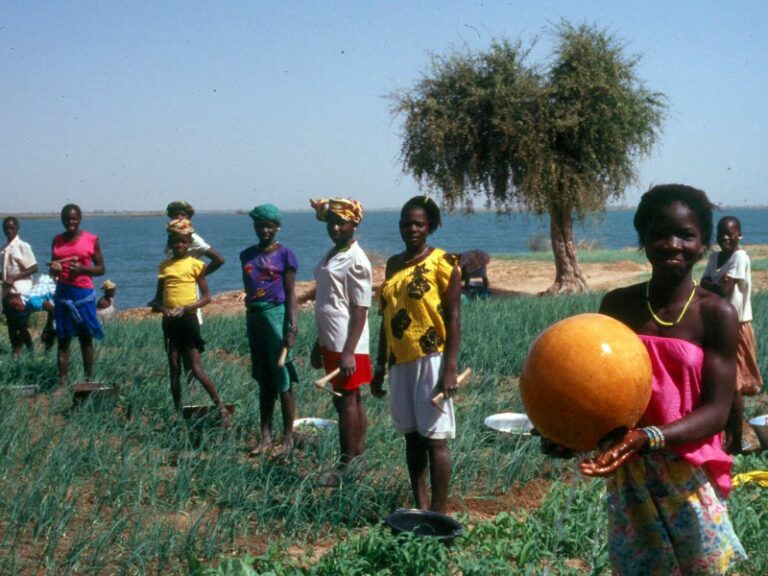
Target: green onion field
127	487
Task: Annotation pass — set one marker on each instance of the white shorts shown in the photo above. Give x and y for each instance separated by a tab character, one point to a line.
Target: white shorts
412	387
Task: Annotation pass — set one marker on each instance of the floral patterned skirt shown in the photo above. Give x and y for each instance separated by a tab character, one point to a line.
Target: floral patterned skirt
666	518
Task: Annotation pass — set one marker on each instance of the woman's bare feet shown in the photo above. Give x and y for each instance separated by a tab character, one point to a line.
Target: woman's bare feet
264	447
225	418
286	447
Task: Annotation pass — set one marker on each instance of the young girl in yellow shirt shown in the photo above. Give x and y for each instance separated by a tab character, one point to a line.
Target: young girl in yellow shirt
178	280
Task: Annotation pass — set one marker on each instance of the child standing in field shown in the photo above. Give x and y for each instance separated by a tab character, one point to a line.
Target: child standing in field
728	274
179	279
18	266
269	279
105	307
198	248
669	478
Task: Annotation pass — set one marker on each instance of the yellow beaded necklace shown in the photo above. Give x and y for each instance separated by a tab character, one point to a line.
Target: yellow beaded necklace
658	320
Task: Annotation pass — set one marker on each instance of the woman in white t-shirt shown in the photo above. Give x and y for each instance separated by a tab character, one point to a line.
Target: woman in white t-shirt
728	274
344	281
19	264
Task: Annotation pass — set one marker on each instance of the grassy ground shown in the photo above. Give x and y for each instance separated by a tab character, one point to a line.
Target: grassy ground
131	489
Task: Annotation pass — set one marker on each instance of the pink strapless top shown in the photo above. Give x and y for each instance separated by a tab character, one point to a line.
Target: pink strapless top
676	391
82	248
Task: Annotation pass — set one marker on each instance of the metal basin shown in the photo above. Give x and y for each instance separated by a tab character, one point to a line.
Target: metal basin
424	523
95	393
23	391
203	411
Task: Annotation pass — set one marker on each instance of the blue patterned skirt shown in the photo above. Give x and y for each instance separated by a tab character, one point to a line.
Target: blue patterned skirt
75	311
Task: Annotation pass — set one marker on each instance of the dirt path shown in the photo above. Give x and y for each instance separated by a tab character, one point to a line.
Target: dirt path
519	277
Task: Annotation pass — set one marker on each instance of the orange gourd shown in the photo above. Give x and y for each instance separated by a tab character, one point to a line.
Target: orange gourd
585	377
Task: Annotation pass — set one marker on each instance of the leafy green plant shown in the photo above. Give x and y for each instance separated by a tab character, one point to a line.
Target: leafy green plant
95	490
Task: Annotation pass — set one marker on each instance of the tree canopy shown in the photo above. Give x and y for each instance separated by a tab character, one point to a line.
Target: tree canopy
561	138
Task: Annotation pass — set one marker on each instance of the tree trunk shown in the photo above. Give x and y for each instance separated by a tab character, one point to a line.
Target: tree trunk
568	277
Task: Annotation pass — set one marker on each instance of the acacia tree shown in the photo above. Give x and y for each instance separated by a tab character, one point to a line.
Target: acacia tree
561	139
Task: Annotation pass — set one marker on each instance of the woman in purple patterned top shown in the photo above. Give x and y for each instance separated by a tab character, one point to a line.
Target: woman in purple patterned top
269	278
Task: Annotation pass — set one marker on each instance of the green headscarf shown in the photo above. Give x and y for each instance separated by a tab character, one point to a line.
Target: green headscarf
179	206
266	212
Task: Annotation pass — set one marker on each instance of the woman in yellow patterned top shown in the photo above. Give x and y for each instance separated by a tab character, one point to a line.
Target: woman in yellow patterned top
419	345
178	280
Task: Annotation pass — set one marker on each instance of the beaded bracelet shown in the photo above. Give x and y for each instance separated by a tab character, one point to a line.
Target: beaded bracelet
656	440
292	330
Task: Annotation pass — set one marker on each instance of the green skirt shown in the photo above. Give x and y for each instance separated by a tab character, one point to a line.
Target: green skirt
267	324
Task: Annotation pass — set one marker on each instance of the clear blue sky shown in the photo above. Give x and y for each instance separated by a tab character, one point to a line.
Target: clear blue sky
128	105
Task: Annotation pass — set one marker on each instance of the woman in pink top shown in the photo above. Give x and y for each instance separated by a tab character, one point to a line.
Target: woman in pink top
75	259
668	478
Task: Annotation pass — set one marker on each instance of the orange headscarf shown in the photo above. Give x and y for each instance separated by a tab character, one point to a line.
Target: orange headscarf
345	208
180	226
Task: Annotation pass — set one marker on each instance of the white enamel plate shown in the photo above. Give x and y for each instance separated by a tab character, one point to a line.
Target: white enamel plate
509	423
318	423
759	420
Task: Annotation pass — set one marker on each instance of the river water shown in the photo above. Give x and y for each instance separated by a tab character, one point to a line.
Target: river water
133	245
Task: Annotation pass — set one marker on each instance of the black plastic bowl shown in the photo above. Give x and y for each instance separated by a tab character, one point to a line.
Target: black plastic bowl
425	524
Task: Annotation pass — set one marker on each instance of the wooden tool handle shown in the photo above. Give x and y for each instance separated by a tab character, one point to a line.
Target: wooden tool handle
331	390
281	359
320	382
439	397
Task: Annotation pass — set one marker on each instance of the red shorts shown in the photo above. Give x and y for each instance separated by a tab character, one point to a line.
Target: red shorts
362	375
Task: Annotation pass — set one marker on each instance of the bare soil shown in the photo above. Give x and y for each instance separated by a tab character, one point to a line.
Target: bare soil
507	277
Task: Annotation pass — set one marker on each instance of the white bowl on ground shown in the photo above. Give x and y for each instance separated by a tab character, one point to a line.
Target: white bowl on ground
510	423
317	423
